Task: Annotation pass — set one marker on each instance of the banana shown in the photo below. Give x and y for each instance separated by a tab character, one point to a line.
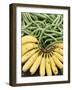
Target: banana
42	67
48	67
29	38
27	47
29	63
60	57
28	55
36	64
59	50
57	62
53	66
59	45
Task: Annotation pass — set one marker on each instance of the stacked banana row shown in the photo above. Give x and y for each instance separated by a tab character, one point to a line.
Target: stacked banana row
33	58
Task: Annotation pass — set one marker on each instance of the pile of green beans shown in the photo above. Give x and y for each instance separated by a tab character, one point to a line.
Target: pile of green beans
47	28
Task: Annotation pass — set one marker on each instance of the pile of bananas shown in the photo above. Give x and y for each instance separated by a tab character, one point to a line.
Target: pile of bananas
47	61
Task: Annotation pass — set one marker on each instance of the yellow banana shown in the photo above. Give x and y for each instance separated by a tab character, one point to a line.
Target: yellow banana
42	67
48	67
59	45
29	63
53	66
36	64
59	50
27	47
60	57
57	62
29	38
28	55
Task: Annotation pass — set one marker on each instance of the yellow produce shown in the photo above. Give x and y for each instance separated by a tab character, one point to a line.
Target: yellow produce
48	67
42	66
28	39
53	66
57	62
59	50
27	47
48	60
28	55
29	63
36	64
59	45
59	56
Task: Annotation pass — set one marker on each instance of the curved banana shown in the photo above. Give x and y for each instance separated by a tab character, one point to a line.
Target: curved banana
59	50
57	62
28	55
29	63
36	64
27	47
59	56
48	67
53	66
59	45
42	67
29	38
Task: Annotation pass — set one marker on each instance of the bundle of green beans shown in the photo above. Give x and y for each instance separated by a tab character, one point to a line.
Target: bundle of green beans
47	28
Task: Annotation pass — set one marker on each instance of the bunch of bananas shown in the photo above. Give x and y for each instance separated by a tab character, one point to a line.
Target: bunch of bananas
33	58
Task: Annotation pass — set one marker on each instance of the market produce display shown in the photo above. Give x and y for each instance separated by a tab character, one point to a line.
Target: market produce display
42	43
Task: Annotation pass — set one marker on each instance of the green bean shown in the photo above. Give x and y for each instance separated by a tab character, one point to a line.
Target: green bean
41	35
39	15
25	18
29	17
48	40
27	26
34	18
50	36
56	19
57	22
52	31
26	30
31	28
47	28
40	22
53	43
45	36
61	30
60	21
59	38
38	34
36	30
46	15
52	16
